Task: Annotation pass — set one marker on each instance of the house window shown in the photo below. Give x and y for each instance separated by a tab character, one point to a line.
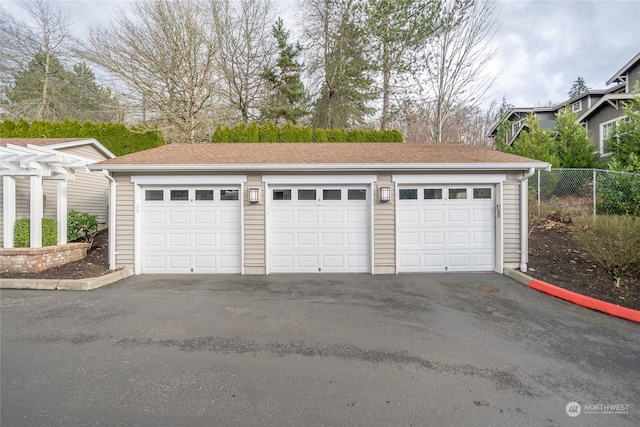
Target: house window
179	195
576	106
154	195
606	131
433	193
515	127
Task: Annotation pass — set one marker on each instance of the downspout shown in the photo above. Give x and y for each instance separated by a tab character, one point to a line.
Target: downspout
112	219
524	220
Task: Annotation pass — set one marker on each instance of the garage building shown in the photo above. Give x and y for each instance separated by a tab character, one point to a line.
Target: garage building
380	208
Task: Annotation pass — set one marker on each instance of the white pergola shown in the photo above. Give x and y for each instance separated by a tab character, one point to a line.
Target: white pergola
37	164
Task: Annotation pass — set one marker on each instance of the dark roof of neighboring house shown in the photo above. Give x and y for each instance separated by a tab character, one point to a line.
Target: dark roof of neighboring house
617	76
281	155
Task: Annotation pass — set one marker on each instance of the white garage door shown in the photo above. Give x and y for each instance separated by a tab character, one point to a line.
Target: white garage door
191	230
446	228
319	229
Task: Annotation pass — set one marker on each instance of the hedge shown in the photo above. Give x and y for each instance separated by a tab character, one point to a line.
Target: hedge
116	137
270	132
22	232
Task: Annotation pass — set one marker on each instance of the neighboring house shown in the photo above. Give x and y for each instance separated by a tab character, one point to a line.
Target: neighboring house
597	110
380	208
57	169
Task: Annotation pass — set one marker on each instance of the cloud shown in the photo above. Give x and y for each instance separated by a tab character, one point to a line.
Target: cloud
546	45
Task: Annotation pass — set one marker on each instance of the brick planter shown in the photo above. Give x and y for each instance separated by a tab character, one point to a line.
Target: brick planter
34	260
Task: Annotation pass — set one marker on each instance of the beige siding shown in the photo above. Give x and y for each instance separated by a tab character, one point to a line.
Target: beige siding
1	214
511	220
125	209
254	228
384	231
89	192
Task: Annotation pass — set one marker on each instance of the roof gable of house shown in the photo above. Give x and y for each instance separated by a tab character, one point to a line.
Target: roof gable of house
58	143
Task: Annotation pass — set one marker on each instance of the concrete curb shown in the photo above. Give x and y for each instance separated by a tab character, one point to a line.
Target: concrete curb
574	297
67	284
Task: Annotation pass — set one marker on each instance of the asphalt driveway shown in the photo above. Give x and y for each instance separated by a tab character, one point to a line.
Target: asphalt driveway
305	350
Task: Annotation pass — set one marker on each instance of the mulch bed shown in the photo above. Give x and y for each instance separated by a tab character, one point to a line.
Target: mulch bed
556	257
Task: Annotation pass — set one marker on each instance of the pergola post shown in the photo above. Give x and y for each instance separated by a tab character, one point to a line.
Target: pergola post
35	211
8	209
62	212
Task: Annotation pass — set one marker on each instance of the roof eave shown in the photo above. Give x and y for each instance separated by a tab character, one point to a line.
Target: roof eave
341	167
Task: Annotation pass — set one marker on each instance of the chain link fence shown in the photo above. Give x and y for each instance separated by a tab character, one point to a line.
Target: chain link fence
578	192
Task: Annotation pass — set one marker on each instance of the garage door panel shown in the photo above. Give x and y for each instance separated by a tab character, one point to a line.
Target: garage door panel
325	235
307	239
332	239
282	239
454	234
195	236
332	217
408	238
307	217
433	239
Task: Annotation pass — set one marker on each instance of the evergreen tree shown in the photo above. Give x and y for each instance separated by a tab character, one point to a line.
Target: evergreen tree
624	142
288	95
573	147
535	143
579	87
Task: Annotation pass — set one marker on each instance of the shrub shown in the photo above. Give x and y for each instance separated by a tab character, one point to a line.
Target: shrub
619	194
22	232
81	225
614	242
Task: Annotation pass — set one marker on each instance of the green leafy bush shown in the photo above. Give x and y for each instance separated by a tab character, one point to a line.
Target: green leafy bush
22	232
614	242
116	137
269	132
619	194
81	225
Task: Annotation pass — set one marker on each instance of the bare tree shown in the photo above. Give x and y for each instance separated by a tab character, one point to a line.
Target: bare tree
454	61
43	38
165	52
245	45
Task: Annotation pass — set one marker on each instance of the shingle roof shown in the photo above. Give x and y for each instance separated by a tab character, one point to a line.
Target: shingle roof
315	153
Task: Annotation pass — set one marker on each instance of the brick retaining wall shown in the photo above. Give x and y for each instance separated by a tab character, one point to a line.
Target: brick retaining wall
34	260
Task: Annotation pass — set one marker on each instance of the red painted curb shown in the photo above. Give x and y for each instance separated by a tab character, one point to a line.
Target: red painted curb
585	301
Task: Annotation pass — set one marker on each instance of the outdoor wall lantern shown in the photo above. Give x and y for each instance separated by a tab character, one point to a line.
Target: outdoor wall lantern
253	195
385	194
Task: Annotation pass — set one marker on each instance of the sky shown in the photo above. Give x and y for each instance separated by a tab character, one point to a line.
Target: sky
542	46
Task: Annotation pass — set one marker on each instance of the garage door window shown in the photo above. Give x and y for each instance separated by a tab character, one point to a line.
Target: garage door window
204	195
331	194
180	195
357	194
457	194
408	194
307	195
229	194
154	195
281	194
433	193
482	193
